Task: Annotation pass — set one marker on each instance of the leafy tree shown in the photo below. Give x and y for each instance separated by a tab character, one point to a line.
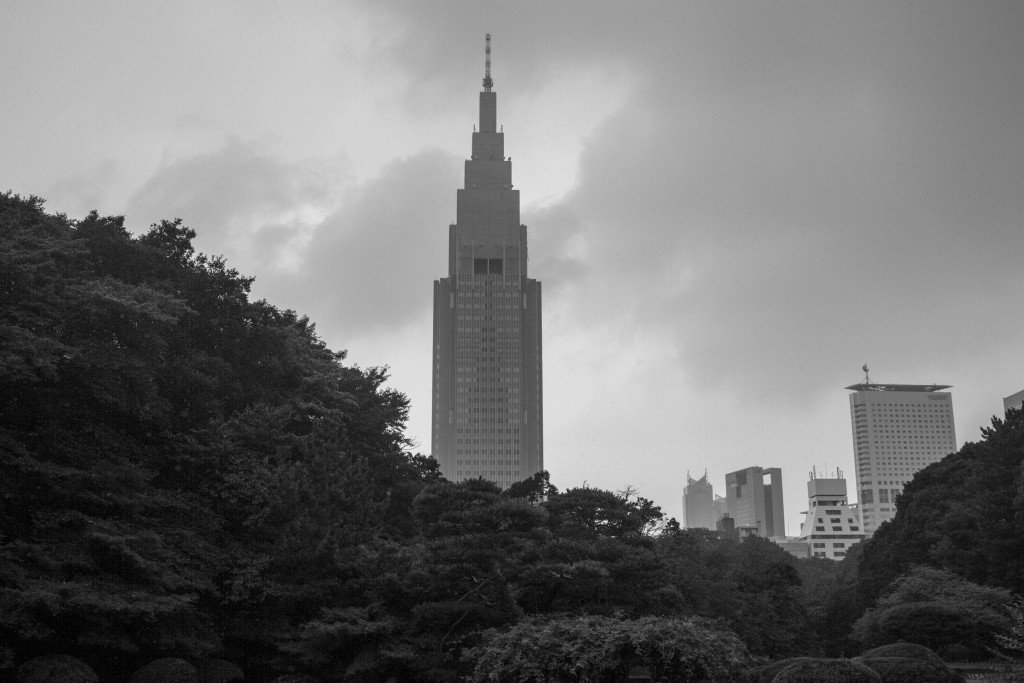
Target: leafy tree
963	514
935	608
185	470
534	489
602	649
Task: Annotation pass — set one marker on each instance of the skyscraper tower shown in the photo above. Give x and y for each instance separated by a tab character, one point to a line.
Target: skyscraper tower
487	400
698	503
898	429
754	499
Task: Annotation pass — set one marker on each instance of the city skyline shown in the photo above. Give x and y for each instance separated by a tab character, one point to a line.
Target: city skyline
732	207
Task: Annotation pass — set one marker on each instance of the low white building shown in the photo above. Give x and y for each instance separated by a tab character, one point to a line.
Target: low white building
831	525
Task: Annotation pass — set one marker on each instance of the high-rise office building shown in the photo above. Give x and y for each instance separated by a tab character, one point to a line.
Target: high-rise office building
754	499
831	526
1013	401
487	400
698	504
898	429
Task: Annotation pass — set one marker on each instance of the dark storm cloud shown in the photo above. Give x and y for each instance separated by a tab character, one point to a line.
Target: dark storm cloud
352	271
369	265
230	195
789	186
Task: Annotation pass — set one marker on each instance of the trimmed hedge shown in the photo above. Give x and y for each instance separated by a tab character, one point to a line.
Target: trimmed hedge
908	650
166	670
906	670
827	671
55	669
767	672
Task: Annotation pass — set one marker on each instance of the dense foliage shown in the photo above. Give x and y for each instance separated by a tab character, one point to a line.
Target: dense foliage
964	514
937	609
182	467
189	473
537	650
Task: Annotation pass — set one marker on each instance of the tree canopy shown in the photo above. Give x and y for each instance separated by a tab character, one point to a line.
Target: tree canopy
188	472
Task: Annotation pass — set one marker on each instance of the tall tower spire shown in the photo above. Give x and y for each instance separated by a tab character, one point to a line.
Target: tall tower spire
488	98
488	406
488	83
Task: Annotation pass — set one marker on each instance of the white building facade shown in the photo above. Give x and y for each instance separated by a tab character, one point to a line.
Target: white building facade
898	429
831	525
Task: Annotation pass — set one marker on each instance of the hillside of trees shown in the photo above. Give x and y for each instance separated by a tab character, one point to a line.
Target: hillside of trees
189	473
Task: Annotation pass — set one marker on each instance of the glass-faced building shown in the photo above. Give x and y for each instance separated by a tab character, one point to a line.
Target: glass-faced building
898	429
487	389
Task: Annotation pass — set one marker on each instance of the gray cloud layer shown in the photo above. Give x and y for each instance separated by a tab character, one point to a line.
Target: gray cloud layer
775	193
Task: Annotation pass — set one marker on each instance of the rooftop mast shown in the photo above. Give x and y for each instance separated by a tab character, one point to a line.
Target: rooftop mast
488	83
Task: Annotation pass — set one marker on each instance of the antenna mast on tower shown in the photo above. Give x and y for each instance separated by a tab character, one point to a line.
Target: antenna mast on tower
487	65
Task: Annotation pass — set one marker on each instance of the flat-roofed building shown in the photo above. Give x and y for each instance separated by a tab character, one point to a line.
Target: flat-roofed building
898	429
754	499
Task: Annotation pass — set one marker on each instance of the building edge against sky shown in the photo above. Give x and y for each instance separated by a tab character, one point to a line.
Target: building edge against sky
699	504
831	525
898	429
754	499
487	417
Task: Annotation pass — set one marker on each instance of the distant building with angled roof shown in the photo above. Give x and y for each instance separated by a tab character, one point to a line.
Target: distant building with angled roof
898	429
698	504
1013	401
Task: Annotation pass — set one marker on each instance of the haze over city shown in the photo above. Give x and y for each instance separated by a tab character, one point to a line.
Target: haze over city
732	207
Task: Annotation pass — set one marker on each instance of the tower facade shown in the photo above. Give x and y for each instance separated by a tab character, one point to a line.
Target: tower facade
487	372
754	499
898	429
698	504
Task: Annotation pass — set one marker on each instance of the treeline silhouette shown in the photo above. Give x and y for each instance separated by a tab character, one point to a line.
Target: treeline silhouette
189	473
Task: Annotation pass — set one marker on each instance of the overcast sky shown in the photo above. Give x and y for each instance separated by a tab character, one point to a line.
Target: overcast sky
732	206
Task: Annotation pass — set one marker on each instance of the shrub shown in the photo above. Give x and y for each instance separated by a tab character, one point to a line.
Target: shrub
906	670
218	671
827	671
767	672
166	670
958	652
581	648
56	669
908	650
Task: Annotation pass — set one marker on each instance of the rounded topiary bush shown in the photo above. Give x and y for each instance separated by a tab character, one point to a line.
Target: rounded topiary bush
218	671
906	670
766	672
167	670
827	671
55	669
958	652
908	650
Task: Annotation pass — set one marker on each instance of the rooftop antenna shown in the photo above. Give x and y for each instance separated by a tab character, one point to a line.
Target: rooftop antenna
487	65
867	377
